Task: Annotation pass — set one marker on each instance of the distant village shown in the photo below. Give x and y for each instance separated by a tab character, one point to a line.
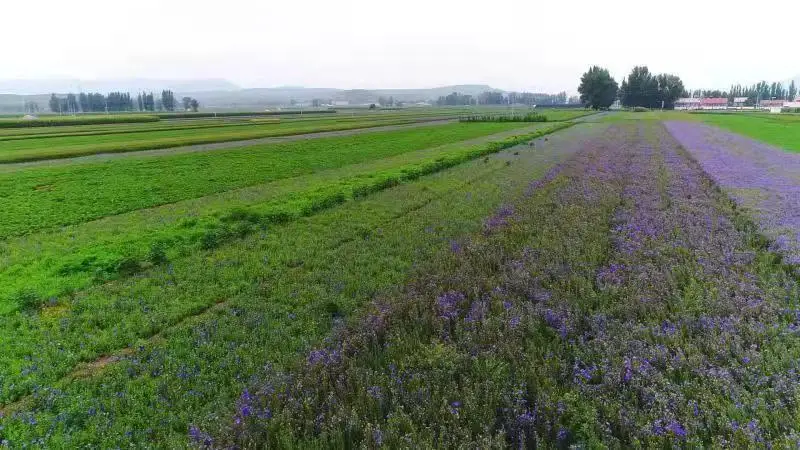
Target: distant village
735	103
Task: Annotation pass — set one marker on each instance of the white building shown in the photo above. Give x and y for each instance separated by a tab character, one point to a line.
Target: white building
739	102
688	103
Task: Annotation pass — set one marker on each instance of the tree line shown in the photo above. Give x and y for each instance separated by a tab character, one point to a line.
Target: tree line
753	93
94	102
640	88
501	98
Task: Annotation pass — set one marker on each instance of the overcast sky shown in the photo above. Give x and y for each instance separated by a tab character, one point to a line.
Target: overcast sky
516	45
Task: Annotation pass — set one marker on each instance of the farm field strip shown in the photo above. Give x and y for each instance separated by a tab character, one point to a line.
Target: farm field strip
624	303
779	130
761	178
46	265
182	124
374	127
73	146
39	198
314	271
85	130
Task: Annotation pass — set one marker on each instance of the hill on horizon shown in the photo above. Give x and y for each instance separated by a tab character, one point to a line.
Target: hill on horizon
218	93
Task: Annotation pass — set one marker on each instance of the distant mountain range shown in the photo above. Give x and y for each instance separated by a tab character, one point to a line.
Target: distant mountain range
218	94
64	85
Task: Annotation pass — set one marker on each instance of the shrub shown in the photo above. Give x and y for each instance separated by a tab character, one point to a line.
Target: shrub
529	117
27	299
640	109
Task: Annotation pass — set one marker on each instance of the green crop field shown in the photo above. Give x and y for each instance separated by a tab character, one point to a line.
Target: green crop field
286	181
57	121
85	244
622	280
43	148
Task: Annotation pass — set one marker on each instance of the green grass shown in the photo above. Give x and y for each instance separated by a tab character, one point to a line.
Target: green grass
280	290
77	145
46	265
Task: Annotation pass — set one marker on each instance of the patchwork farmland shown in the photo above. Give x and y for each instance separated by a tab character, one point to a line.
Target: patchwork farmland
432	277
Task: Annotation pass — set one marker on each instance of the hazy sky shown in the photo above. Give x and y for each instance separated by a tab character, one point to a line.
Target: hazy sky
520	45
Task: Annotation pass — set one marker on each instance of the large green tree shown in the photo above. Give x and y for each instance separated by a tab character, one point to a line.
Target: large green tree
642	88
598	88
670	89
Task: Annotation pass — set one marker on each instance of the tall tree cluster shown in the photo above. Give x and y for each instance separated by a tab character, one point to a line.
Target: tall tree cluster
526	98
168	100
759	91
642	88
94	102
455	99
598	88
190	104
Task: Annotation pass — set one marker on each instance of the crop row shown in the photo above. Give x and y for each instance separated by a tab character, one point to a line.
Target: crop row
57	121
192	115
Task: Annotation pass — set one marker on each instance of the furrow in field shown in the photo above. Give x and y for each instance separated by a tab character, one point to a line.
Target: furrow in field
266	278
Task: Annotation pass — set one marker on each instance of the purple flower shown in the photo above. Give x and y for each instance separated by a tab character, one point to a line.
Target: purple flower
447	304
677	429
199	437
454	407
513	322
627	372
526	419
477	312
375	392
377	437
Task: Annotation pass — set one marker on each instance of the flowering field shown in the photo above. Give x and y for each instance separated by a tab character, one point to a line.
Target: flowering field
624	284
762	178
623	300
